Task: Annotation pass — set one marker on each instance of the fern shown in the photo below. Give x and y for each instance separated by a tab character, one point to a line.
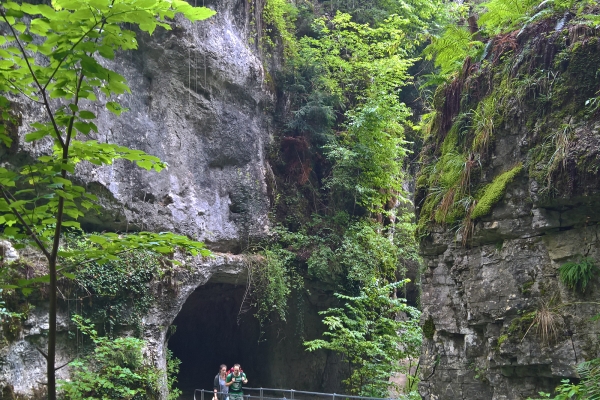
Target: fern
452	48
589	372
505	15
577	275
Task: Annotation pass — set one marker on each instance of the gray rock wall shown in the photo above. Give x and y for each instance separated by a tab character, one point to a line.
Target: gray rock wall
480	299
199	102
482	347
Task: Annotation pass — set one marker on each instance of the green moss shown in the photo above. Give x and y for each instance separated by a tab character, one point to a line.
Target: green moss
451	140
439	97
526	288
580	80
501	340
494	192
451	166
426	213
429	328
519	325
455	214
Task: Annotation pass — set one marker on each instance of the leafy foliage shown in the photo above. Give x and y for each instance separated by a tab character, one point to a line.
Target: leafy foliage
451	49
588	387
118	289
115	370
345	220
271	284
356	57
281	15
173	364
577	275
504	15
366	159
368	335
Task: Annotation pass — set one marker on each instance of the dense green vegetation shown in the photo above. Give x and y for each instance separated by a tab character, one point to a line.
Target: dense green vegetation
115	369
344	134
344	127
343	216
483	94
365	331
576	275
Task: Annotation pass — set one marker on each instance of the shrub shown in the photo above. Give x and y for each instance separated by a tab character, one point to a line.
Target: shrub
114	370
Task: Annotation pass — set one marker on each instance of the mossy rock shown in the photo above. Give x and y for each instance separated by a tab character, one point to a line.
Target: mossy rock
580	80
494	192
519	326
429	328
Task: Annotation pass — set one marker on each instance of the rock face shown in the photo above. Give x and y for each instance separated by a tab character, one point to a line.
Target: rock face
484	297
199	102
23	368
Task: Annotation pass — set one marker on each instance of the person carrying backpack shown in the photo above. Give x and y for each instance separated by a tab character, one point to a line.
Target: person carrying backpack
235	380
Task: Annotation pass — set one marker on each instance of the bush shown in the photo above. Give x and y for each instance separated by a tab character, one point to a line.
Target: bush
114	370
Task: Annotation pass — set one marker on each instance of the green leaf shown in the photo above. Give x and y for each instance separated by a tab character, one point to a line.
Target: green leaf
87	114
59	93
83	127
36	135
71	224
115	108
69	275
106	52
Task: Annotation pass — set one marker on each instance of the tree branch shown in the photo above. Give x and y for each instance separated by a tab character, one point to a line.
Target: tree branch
42	352
37	82
69	53
25	224
22	92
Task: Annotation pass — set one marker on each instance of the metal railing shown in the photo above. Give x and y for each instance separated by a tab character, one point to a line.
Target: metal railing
272	394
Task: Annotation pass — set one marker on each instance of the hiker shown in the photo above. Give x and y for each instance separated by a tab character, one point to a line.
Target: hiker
234	381
220	387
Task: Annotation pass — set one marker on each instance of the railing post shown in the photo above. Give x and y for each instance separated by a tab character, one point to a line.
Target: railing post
292	394
332	399
261	393
202	395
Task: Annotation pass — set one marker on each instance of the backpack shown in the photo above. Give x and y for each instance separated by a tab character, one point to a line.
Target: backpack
231	371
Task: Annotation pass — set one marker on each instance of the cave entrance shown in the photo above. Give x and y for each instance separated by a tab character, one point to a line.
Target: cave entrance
207	334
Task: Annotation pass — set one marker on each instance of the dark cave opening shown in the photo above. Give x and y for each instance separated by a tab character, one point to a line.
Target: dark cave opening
208	334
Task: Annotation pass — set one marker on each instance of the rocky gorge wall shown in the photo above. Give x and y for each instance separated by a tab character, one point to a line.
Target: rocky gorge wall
201	102
490	277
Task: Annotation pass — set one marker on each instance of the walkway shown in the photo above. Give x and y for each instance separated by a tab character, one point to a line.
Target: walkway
282	394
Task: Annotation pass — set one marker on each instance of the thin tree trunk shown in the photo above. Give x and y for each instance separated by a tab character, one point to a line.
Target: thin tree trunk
52	334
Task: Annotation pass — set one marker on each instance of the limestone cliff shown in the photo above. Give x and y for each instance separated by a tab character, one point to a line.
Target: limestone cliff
199	102
508	193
